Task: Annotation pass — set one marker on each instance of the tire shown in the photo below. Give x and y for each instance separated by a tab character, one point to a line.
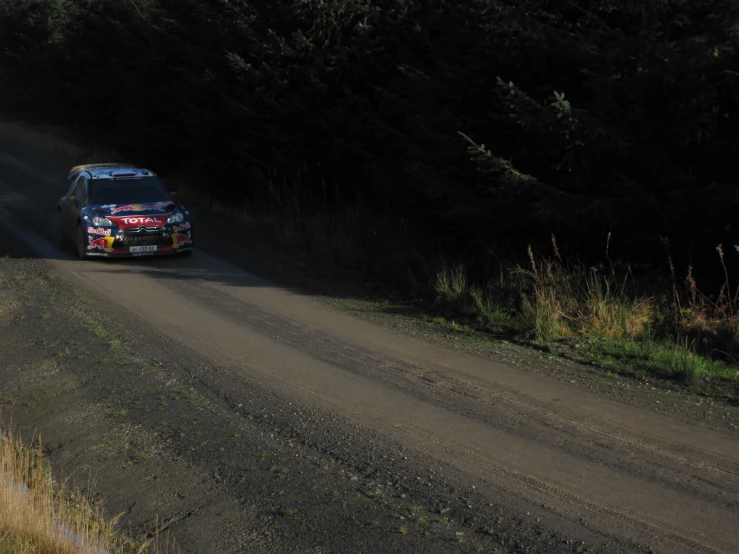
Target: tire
187	253
80	243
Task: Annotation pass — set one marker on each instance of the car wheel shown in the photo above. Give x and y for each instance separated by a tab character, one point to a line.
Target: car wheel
81	243
186	253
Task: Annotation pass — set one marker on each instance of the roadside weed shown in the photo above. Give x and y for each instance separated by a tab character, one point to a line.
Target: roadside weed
42	516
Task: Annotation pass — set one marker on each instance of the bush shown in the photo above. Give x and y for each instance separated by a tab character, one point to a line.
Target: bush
572	300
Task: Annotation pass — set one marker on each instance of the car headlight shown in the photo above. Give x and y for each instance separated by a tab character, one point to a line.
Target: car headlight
176	217
98	221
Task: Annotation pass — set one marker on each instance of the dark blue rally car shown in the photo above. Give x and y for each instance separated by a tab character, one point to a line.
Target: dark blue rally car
114	210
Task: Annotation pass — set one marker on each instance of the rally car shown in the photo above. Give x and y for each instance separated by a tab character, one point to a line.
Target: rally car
114	210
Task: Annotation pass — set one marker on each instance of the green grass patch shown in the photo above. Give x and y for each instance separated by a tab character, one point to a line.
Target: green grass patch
676	361
141	457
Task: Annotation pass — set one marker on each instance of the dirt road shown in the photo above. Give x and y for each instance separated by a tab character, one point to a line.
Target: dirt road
560	460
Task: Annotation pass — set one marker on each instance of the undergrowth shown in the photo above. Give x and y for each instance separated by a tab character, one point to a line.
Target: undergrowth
680	334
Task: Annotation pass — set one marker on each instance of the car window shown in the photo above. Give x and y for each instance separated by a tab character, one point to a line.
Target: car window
125	191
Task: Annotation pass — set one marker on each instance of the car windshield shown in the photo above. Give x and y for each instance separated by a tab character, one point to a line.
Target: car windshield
141	190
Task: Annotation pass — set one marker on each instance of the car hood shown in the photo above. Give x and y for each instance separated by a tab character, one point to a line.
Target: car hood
158	208
125	216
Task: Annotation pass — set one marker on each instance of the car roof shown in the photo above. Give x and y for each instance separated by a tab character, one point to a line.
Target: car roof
110	171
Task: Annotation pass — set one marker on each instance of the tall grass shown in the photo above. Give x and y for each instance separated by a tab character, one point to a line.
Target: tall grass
452	288
713	319
40	516
552	299
564	300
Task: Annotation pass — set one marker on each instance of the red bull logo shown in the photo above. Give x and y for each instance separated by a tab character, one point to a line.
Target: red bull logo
98	231
129	208
179	228
181	239
115	209
103	243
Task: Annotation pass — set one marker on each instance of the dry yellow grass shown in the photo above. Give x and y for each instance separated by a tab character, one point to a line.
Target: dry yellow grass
37	515
566	300
40	516
552	299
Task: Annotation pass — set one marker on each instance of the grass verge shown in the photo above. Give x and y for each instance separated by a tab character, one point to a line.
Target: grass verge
637	327
40	516
675	361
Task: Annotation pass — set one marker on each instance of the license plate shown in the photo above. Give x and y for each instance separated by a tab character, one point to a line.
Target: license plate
143	249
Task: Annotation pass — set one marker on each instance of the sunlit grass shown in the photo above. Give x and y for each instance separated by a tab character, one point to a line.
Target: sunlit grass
41	516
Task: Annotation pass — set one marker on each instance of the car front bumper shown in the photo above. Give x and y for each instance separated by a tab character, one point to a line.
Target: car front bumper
154	242
128	253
